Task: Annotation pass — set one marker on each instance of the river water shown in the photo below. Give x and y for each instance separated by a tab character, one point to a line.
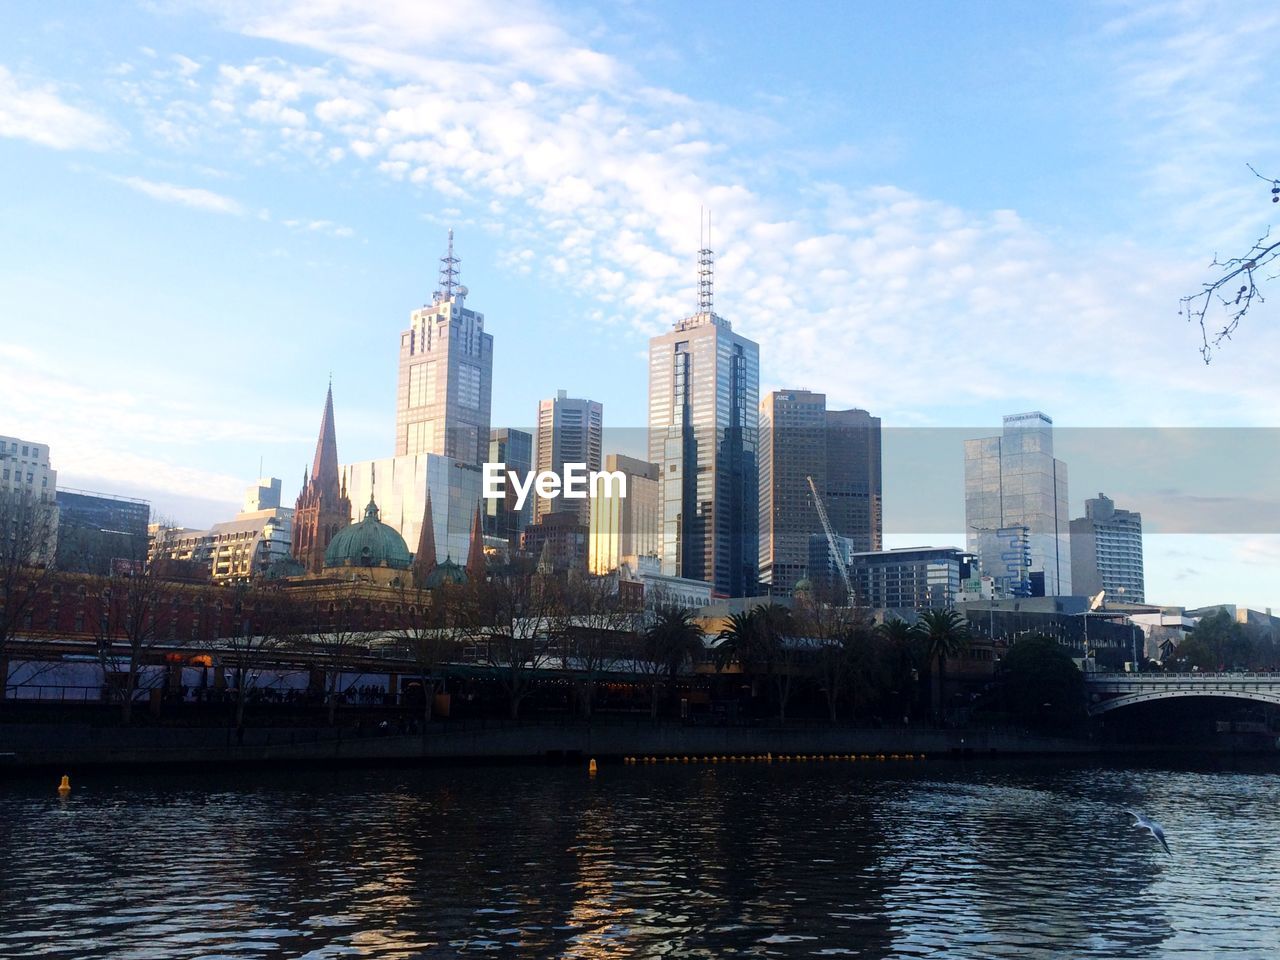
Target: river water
938	858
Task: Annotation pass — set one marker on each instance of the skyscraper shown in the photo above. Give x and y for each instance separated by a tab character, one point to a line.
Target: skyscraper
623	527
569	431
514	449
1106	551
446	375
322	508
793	448
1015	508
840	449
704	395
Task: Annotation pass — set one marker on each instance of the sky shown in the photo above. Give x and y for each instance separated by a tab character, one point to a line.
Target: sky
942	213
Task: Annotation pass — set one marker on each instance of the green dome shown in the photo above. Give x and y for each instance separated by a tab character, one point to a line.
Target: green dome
369	543
447	572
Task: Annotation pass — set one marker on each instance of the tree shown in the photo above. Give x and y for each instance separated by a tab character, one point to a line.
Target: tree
943	634
846	658
264	619
1233	289
514	616
338	636
902	650
430	626
762	640
1039	682
130	607
597	636
1218	642
28	527
672	639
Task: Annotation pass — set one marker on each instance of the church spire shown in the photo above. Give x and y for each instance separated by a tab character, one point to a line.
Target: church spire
475	553
424	561
324	471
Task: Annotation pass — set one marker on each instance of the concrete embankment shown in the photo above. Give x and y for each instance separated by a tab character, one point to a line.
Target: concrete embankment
68	745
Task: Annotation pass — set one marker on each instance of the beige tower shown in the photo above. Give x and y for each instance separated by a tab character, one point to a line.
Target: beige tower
446	376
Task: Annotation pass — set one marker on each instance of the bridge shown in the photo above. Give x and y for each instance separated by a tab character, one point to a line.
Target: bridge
1111	691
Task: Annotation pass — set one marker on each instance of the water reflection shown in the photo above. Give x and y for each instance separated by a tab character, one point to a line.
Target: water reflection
1025	860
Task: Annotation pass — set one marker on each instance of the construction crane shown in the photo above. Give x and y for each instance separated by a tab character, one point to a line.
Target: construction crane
831	541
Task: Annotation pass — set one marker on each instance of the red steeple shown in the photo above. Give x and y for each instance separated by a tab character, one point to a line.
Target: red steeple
475	552
424	561
322	508
324	470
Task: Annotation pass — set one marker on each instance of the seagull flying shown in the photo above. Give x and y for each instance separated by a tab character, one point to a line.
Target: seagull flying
1146	823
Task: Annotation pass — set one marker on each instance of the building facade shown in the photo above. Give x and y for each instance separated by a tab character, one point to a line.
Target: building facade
704	399
445	381
401	485
570	430
623	527
840	450
911	578
1015	506
513	449
95	529
1106	551
28	509
248	546
322	508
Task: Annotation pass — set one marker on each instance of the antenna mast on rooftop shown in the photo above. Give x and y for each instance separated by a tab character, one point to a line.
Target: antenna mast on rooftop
448	272
706	264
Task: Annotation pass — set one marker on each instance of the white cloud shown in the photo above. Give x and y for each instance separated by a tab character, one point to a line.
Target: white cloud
37	113
195	197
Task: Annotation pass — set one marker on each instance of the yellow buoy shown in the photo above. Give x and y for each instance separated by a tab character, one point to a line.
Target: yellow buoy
591	766
65	786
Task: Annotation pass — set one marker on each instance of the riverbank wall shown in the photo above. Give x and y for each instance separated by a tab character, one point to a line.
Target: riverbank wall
79	745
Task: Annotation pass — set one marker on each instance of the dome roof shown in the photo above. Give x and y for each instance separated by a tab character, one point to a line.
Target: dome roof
369	543
447	572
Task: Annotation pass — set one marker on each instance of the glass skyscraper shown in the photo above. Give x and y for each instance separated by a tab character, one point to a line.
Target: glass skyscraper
704	396
1015	508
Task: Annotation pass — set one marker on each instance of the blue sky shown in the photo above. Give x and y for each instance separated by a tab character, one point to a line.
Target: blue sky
940	212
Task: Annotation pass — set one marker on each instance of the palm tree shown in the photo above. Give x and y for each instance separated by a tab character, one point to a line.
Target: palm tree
943	633
672	638
737	639
902	641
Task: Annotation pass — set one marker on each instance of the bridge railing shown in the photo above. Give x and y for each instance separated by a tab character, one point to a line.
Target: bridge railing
1160	677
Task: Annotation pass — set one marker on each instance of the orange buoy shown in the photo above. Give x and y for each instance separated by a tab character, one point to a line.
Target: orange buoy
65	786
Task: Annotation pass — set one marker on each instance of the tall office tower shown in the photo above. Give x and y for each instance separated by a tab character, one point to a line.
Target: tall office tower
623	527
446	376
569	431
514	449
840	449
793	448
1106	551
322	508
854	481
1015	508
704	397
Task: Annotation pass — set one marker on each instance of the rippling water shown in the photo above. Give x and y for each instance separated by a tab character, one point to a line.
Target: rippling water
1025	859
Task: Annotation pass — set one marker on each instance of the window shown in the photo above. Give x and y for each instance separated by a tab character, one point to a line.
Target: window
469	386
422	436
422	384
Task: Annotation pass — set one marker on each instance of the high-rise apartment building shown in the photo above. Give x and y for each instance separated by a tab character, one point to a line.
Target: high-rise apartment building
840	450
623	527
1015	508
253	544
28	507
570	430
704	398
514	449
1106	551
446	376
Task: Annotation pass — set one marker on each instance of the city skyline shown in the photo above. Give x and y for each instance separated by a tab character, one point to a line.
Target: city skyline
206	260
